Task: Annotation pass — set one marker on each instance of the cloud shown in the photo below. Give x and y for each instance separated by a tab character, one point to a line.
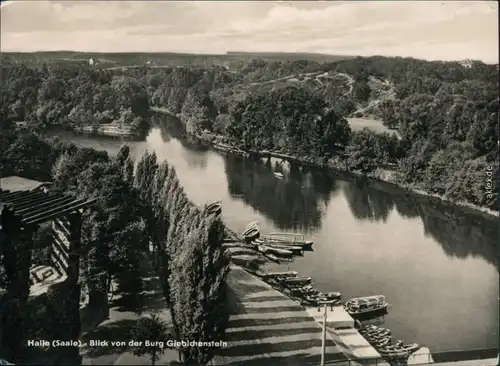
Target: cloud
432	30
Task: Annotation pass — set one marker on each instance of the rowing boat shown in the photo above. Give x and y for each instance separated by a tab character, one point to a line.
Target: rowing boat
290	238
214	207
296	280
278	251
296	249
287	274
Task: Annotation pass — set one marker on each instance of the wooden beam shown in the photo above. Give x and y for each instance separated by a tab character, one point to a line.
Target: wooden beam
44	206
30	217
32	201
8	195
55	213
27	197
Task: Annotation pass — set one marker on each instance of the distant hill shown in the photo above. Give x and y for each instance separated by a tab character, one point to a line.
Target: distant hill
160	58
290	56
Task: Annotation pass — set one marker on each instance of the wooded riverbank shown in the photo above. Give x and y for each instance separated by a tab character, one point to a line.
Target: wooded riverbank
339	163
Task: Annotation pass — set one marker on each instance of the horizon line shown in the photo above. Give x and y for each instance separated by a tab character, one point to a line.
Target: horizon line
229	53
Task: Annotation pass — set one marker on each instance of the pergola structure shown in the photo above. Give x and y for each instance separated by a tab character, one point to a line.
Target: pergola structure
21	212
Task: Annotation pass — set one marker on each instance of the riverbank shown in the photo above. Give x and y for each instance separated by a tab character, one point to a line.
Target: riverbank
339	163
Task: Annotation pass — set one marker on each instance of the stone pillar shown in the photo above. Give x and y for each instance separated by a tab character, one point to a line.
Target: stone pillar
16	247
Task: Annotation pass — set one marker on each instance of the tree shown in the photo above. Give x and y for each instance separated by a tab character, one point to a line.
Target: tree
363	153
152	333
28	156
122	155
332	130
199	272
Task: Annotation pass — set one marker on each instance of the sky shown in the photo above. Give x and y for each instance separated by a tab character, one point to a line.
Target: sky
431	30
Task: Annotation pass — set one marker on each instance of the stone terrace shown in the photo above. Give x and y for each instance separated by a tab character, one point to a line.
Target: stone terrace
268	328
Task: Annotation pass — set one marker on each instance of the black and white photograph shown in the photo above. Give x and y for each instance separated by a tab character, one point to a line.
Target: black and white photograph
249	183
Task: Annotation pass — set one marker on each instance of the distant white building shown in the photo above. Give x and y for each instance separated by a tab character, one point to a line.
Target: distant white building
91	62
466	63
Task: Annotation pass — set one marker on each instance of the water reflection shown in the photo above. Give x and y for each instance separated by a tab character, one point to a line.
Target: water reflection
460	234
193	153
291	203
366	203
298	202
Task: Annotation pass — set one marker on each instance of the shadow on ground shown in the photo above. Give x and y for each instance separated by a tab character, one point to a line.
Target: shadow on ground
138	303
301	359
110	332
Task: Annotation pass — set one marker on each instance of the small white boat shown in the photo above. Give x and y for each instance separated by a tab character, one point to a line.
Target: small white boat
278	175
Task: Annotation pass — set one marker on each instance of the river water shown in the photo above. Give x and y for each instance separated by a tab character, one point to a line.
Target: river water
437	265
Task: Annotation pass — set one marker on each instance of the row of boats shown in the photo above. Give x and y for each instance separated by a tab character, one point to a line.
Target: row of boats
302	290
277	247
380	338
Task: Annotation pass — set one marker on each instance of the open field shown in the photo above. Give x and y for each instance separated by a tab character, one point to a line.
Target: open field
374	125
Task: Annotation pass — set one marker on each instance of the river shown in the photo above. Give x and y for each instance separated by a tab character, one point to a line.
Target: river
436	264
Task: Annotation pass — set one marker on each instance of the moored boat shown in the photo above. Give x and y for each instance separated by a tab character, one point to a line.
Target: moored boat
253	224
295	249
290	238
305	245
300	289
278	175
267	249
380	342
272	257
411	348
371	329
376	334
281	274
396	351
251	229
331	295
296	280
366	305
214	207
322	297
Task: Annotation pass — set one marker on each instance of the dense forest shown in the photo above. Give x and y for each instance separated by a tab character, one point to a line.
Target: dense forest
140	215
440	119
